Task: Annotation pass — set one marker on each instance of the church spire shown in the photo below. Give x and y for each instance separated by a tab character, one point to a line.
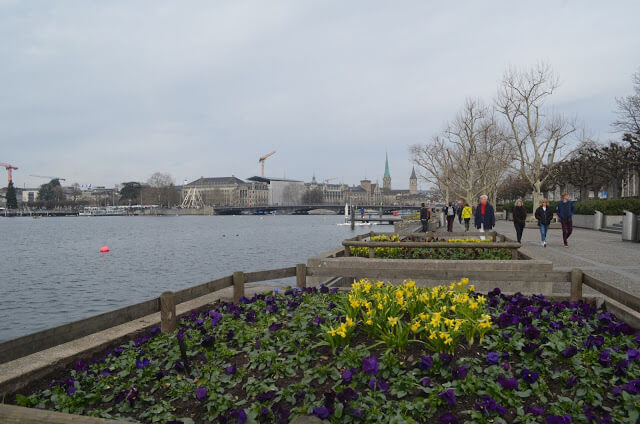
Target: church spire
386	181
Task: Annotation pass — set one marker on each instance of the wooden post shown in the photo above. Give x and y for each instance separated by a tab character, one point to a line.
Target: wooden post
238	286
514	254
353	217
372	253
301	275
168	318
347	252
576	284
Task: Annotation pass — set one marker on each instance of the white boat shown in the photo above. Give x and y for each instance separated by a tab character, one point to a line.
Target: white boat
347	219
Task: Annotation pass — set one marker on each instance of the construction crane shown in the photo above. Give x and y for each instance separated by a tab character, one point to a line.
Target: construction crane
263	158
49	178
330	179
9	169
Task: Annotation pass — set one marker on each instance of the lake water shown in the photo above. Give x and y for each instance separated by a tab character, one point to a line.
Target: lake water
51	271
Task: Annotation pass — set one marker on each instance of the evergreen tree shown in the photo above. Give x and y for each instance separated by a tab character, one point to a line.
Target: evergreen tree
12	201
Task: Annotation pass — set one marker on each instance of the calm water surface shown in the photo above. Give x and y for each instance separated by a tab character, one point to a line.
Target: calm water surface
51	271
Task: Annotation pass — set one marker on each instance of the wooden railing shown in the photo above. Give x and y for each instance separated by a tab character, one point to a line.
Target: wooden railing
165	304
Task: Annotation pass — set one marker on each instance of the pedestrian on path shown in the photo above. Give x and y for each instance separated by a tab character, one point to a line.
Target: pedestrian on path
485	218
544	215
519	218
425	214
466	215
459	212
450	213
565	215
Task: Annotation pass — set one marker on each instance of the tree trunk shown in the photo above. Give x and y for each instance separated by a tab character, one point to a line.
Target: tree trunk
536	195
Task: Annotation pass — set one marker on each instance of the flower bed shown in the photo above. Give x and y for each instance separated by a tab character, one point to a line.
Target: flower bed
452	252
270	358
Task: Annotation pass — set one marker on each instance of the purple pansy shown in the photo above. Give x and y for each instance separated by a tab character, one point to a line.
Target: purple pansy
347	375
449	396
460	373
531	332
380	385
239	416
493	358
216	317
605	358
486	405
570	352
231	369
201	393
633	354
529	376
448	418
142	363
426	362
534	410
556	419
508	383
571	381
321	412
268	395
370	365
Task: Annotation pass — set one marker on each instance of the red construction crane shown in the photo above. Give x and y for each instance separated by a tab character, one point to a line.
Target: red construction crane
9	169
263	158
330	179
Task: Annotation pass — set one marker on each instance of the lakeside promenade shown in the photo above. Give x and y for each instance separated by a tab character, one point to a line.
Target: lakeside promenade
603	255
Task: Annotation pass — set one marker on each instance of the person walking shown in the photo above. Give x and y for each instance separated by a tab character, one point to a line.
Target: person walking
544	215
459	212
466	215
519	218
565	215
485	218
450	212
425	214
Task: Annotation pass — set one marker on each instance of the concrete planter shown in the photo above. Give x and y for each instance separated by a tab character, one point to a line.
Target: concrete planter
584	221
609	220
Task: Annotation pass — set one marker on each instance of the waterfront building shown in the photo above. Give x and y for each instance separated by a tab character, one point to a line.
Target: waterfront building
28	195
228	191
413	182
281	191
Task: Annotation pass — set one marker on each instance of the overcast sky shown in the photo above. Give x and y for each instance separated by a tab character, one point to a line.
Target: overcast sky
102	92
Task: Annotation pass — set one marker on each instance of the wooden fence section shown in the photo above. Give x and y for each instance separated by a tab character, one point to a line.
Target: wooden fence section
10	414
579	278
165	304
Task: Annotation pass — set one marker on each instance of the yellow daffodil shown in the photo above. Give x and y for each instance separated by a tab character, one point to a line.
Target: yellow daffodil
392	321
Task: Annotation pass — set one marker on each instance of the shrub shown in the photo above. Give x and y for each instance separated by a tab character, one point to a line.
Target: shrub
589	207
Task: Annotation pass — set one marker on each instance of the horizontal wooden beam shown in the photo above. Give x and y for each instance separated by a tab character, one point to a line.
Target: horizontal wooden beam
11	414
270	274
191	293
41	340
619	295
394	273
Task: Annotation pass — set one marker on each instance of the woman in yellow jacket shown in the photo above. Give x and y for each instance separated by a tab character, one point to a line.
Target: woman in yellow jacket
466	215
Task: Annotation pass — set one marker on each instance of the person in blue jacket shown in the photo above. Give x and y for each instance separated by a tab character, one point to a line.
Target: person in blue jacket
565	215
484	218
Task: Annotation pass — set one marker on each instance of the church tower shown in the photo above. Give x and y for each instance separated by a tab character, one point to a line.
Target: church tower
413	182
386	181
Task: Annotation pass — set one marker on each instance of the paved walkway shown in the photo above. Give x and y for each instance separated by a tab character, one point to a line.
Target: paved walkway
603	255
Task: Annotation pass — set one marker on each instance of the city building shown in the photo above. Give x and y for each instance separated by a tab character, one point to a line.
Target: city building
386	180
282	191
228	191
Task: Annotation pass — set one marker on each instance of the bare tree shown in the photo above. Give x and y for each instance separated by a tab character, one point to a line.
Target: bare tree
162	189
434	164
540	137
469	158
628	123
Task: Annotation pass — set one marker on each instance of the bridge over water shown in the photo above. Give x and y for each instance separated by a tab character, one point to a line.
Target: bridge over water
304	209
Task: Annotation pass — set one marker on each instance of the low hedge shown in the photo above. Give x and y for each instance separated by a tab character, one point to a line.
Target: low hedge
589	207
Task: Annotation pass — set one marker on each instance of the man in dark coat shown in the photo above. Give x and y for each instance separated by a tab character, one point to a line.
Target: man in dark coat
565	214
424	218
485	218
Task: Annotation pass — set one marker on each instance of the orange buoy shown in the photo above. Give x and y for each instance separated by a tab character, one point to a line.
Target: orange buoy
104	249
